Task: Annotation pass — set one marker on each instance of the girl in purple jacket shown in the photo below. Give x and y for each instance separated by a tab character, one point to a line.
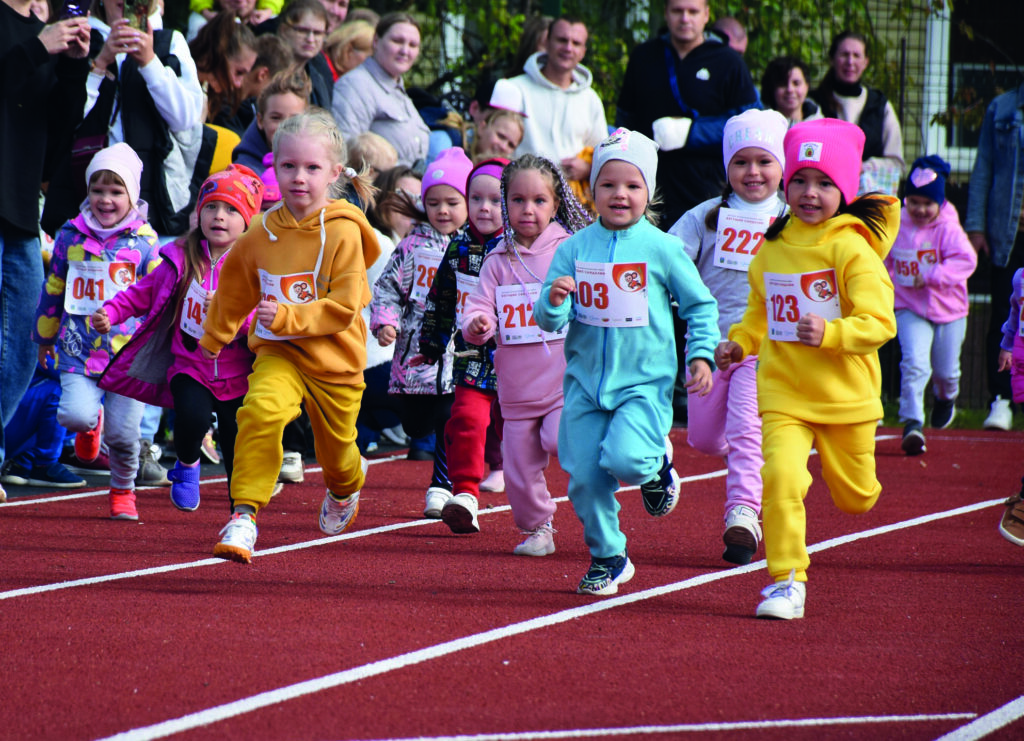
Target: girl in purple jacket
163	364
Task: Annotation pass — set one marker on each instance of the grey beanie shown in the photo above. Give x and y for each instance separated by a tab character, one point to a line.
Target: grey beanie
628	146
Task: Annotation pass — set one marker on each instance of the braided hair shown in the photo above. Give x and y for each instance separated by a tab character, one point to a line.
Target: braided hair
570	213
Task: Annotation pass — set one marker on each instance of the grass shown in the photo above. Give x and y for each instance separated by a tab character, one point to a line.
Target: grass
966	419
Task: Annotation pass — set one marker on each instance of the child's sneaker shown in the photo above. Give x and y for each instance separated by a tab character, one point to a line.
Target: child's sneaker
913	439
99	467
539	542
336	515
661	494
1000	416
1011	526
87	444
436	499
742	534
459	513
150	472
122	505
209	448
943	413
784	599
292	471
606	574
494	482
237	539
185	486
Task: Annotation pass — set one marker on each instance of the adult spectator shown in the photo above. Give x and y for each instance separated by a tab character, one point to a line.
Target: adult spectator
42	83
249	12
680	89
272	57
564	117
337	12
303	26
995	226
784	88
372	97
533	39
224	51
348	46
841	95
733	31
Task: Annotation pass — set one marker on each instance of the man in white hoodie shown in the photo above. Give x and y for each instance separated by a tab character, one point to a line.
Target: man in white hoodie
563	113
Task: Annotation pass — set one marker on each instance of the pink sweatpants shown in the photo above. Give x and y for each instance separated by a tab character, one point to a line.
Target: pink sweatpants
527	446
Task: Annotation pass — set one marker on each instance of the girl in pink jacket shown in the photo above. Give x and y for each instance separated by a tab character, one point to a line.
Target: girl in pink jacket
929	264
540	212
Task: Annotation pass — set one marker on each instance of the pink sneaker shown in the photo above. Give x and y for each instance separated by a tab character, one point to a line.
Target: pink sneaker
87	444
122	505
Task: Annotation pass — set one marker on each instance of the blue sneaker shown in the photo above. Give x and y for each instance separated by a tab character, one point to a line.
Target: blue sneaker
606	574
55	476
184	487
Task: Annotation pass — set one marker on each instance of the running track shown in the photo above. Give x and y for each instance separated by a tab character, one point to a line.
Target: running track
403	630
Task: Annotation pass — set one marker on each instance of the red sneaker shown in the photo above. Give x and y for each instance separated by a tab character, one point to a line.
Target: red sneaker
122	505
87	444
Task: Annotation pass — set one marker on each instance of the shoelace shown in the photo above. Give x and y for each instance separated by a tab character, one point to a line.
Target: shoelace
780	588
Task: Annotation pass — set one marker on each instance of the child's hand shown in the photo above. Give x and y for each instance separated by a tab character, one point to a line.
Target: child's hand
918	280
265	313
100	320
207	300
480	324
209	355
700	377
386	335
810	330
420	359
47	351
727	353
1005	360
561	287
259	15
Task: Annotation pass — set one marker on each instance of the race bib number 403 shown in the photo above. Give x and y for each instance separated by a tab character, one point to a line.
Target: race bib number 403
612	294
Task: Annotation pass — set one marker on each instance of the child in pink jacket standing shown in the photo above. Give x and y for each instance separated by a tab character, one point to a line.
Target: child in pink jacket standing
929	264
540	212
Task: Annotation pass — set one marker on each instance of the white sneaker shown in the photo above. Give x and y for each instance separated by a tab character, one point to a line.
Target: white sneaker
292	471
436	499
539	542
742	534
336	516
494	481
395	435
459	513
1001	416
784	599
238	539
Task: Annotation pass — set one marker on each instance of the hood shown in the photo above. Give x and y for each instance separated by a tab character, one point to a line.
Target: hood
800	233
581	76
547	241
279	218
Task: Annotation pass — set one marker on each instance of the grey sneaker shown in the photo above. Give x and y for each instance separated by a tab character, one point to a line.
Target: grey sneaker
150	472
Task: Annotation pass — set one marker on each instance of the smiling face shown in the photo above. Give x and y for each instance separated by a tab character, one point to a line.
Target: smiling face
108	199
305	36
850	60
922	210
305	171
446	208
813	196
500	137
789	98
221	224
397	50
754	174
566	46
485	203
620	194
531	204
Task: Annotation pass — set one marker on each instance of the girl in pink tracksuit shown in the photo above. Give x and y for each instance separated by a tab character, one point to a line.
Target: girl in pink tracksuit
540	212
929	263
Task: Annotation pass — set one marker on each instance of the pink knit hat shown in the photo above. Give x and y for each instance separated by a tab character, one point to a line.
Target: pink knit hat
452	167
121	160
827	144
238	186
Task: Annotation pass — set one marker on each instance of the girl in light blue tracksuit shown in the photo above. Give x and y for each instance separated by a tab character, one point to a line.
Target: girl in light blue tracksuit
620	352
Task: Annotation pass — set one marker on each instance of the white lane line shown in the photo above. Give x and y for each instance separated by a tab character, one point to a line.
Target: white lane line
988	723
355	674
694	728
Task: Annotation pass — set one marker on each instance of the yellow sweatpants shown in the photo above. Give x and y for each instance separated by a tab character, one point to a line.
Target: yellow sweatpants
847	454
276	390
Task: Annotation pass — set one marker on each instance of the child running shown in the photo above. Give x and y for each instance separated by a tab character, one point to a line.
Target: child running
820	306
613	283
302	266
1011	357
162	364
100	252
539	212
466	433
399	300
721	236
929	264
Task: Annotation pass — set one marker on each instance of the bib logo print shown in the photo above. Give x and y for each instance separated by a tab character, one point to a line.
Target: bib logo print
630	277
820	286
122	274
298	288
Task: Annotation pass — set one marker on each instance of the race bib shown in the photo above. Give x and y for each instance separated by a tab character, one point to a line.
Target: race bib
788	296
464	285
193	310
612	294
515	316
739	237
425	264
1020	320
297	288
90	283
908	263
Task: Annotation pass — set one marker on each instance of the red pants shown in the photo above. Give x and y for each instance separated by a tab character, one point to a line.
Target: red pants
466	436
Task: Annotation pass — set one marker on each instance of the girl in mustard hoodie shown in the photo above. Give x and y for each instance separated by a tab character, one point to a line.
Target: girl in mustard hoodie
303	268
820	306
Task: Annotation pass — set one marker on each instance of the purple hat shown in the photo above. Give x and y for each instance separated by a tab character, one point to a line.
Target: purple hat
452	167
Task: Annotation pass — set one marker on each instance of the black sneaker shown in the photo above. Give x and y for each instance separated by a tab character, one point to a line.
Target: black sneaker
606	574
661	494
943	413
913	439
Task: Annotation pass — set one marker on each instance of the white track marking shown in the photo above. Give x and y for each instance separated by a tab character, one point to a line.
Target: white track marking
988	723
376	668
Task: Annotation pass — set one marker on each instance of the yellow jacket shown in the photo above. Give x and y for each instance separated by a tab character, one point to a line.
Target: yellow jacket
840	381
331	334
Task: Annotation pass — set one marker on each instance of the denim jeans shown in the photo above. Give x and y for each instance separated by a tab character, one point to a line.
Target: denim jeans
21	279
929	351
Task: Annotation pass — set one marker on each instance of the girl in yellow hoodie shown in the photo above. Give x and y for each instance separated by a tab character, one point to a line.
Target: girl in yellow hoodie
820	306
303	269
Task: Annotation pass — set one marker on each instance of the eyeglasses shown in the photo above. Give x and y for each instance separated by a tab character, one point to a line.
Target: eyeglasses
302	31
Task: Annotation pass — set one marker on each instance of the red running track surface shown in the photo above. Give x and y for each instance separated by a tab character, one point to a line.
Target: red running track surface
400	629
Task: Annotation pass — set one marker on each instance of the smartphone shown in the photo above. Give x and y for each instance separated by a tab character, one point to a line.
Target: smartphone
136	12
73	9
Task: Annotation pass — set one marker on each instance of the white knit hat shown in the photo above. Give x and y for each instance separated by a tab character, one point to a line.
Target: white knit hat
121	160
753	128
628	146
